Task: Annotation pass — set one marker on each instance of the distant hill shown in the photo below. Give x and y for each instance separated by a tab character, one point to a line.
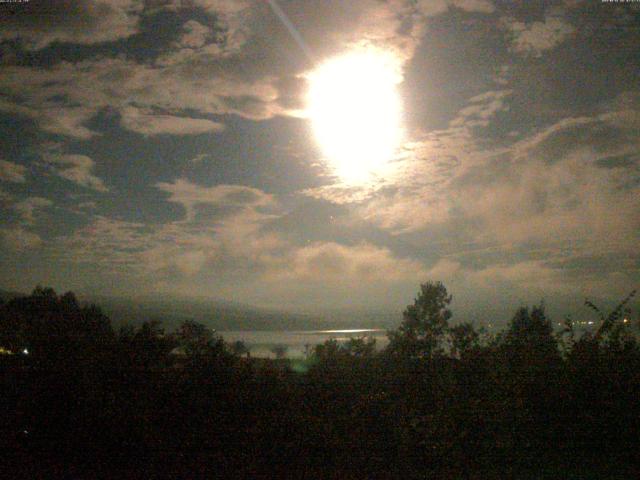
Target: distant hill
225	316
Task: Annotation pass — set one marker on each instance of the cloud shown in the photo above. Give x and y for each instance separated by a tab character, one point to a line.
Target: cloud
235	250
12	172
431	8
495	206
200	254
233	26
551	189
405	211
224	39
190	195
332	26
36	25
262	61
220	235
195	35
537	37
63	98
264	52
482	107
224	8
19	239
340	275
235	256
148	123
479	6
63	121
237	65
77	169
363	263
517	211
528	281
29	206
112	245
414	192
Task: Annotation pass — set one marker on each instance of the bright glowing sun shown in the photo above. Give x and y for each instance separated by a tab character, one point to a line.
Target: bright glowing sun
356	111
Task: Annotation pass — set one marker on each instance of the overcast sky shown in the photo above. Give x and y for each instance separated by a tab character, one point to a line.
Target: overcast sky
162	146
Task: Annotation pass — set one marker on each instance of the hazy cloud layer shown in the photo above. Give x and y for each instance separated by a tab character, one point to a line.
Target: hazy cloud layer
36	25
19	239
164	145
11	172
29	207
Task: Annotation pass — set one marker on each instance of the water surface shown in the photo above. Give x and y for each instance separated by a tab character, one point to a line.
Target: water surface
297	342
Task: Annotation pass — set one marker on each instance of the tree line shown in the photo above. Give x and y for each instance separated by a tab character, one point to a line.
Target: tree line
84	400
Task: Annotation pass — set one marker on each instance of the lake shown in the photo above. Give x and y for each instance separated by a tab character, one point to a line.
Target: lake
261	342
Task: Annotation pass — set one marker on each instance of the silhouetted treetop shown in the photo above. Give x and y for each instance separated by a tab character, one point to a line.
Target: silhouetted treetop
53	328
424	323
531	333
464	339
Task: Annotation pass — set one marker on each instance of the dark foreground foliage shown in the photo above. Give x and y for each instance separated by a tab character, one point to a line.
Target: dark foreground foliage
440	402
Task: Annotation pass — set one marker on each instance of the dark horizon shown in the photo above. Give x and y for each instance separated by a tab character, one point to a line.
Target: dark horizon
221	315
435	401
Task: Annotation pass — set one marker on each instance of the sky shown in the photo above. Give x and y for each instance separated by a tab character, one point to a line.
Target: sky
166	147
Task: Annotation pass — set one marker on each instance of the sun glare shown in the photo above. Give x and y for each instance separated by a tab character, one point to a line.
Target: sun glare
356	111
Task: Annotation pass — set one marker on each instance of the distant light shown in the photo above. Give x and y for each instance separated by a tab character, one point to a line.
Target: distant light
626	320
25	351
590	322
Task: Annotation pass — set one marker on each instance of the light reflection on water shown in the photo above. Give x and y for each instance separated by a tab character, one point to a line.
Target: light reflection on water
298	342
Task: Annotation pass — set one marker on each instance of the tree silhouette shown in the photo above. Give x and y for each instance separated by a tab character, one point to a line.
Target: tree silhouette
328	351
531	334
612	325
239	348
146	346
54	328
360	347
196	339
424	323
280	351
464	339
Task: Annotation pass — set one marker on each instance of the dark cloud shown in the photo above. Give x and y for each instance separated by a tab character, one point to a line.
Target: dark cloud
37	24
